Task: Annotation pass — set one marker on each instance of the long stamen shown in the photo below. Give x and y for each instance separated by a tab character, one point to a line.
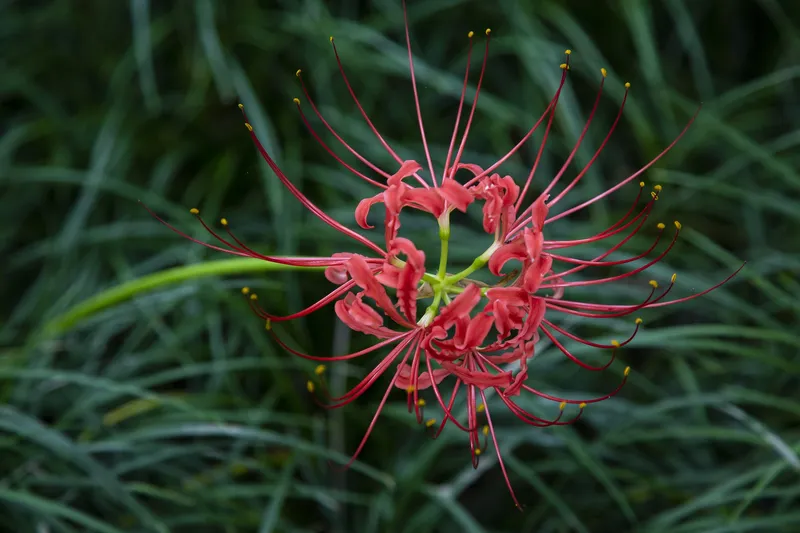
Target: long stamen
333	295
497	451
445	173
614	392
527	136
581	137
693	296
597	261
378	410
524	218
328	148
570	307
372	377
631	177
247	252
332	358
613	346
557	245
366	117
448	409
624	275
302	198
332	261
597	152
528	181
629	211
190	238
416	96
333	132
572	357
474	105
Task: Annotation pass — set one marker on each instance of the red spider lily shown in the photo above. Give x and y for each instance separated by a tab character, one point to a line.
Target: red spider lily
470	334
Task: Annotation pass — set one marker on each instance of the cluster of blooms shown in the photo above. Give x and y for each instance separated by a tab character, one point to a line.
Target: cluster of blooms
480	336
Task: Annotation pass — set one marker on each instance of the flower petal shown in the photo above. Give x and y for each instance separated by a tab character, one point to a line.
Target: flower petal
455	193
408	168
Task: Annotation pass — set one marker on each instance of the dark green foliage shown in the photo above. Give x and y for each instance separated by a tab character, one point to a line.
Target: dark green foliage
174	410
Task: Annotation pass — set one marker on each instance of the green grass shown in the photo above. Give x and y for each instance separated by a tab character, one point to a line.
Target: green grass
140	394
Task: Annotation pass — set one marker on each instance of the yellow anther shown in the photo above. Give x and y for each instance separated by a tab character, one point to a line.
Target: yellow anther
638	321
410	389
654	283
430	422
563	66
673	278
330	38
485	430
194	211
661	225
627	371
604	72
296	101
470	34
420	403
254	296
268	325
641	184
615	343
678	225
627	85
298	72
319	370
568	51
310	386
488	31
481	408
562	405
654	195
241	106
248	126
582	405
477	451
223	221
245	290
657	188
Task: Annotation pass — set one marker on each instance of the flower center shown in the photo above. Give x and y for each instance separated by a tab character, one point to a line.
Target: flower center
442	285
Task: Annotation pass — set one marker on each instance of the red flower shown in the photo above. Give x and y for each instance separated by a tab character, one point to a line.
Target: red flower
482	337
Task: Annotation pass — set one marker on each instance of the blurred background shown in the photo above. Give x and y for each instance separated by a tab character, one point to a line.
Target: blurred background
140	394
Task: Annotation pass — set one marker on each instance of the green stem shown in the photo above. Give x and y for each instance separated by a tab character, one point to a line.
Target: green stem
135	287
444	236
477	264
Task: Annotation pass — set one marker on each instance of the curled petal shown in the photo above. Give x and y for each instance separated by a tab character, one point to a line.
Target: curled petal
460	306
359	270
455	193
405	378
510	295
362	210
534	243
539	212
534	274
337	274
428	200
499	194
407	169
406	278
358	316
475	169
476	331
478	378
514	250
